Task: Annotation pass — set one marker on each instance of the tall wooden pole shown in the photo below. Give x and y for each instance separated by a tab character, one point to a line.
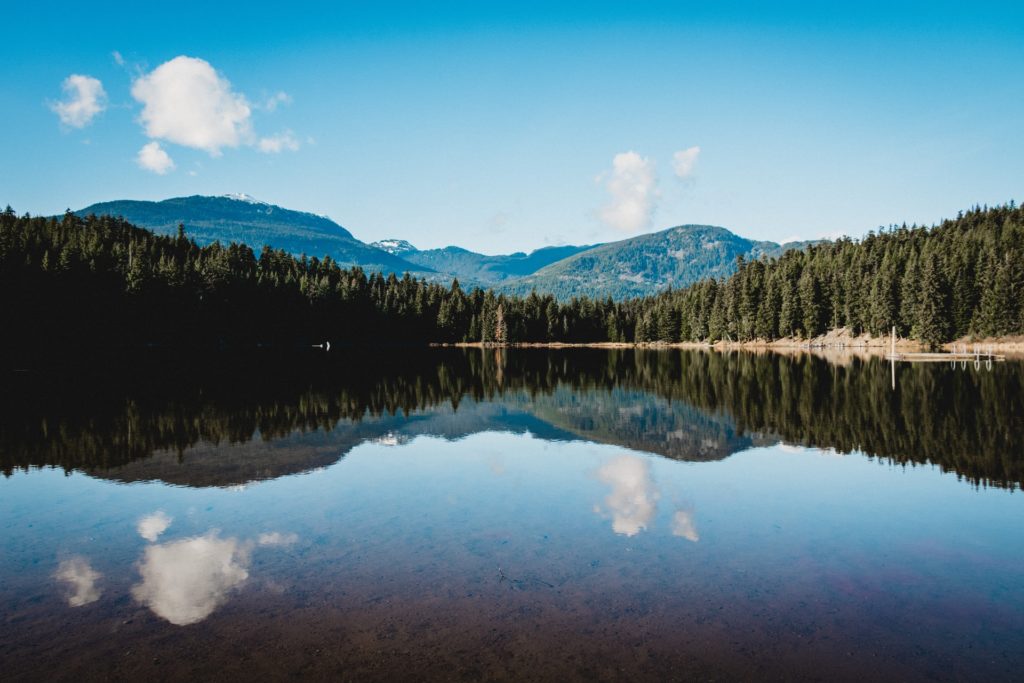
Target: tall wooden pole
892	356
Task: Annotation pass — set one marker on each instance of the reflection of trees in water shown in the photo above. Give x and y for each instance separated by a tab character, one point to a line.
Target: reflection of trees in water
966	422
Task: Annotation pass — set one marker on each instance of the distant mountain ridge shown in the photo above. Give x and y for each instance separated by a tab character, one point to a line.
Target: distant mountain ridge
649	263
492	271
241	218
637	266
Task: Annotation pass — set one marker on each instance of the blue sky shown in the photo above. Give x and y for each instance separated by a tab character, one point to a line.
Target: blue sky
504	127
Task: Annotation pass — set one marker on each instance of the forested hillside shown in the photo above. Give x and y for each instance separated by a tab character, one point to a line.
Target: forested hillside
76	285
647	264
243	219
965	276
485	270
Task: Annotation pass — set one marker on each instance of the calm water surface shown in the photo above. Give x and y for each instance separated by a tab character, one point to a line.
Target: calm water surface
516	515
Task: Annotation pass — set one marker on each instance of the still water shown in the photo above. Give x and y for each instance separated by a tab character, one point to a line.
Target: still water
526	514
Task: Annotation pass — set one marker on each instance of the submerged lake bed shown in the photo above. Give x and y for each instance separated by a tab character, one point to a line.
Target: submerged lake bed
525	514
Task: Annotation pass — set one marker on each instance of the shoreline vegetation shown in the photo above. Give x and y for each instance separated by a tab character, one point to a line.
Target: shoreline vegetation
84	287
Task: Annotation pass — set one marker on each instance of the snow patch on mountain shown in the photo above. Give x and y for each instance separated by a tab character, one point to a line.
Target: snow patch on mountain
394	246
247	198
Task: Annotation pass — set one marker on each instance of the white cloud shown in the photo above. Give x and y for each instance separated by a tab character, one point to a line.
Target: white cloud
185	581
278	143
80	579
684	161
151	526
118	58
85	100
277	99
187	102
632	185
634	497
152	157
684	526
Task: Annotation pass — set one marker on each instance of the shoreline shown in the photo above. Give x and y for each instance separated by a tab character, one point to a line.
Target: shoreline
834	342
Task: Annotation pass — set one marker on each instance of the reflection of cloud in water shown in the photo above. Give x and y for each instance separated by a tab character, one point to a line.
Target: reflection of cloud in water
634	496
151	526
683	525
184	581
276	538
80	579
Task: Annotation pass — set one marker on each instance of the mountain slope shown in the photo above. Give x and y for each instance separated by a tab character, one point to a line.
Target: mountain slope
239	218
480	269
647	264
638	266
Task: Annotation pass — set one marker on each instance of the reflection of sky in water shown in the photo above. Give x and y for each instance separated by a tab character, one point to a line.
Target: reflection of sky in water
634	497
184	581
80	581
633	501
683	525
151	526
390	523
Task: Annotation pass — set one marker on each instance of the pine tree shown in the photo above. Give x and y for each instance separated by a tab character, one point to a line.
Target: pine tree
910	297
932	326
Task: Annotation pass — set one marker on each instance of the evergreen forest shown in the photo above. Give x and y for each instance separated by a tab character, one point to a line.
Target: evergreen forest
78	285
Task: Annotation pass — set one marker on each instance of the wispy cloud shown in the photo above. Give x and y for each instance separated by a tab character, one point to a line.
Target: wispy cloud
684	161
274	101
85	100
280	142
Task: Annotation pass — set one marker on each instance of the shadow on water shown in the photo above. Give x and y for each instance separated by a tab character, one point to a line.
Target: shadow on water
219	424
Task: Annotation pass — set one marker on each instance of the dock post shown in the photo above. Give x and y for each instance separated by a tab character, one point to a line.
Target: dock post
892	357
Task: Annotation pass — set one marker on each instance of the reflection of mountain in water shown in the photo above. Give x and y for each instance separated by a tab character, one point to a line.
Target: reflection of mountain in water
642	421
227	425
241	462
631	419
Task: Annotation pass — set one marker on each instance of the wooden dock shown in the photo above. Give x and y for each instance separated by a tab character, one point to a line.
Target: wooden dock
961	353
980	356
945	357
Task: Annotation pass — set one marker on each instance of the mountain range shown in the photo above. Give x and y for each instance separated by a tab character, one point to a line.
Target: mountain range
637	266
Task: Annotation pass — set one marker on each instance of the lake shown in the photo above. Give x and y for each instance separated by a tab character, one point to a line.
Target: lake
514	514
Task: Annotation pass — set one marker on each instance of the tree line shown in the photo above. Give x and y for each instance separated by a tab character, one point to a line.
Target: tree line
962	277
72	284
